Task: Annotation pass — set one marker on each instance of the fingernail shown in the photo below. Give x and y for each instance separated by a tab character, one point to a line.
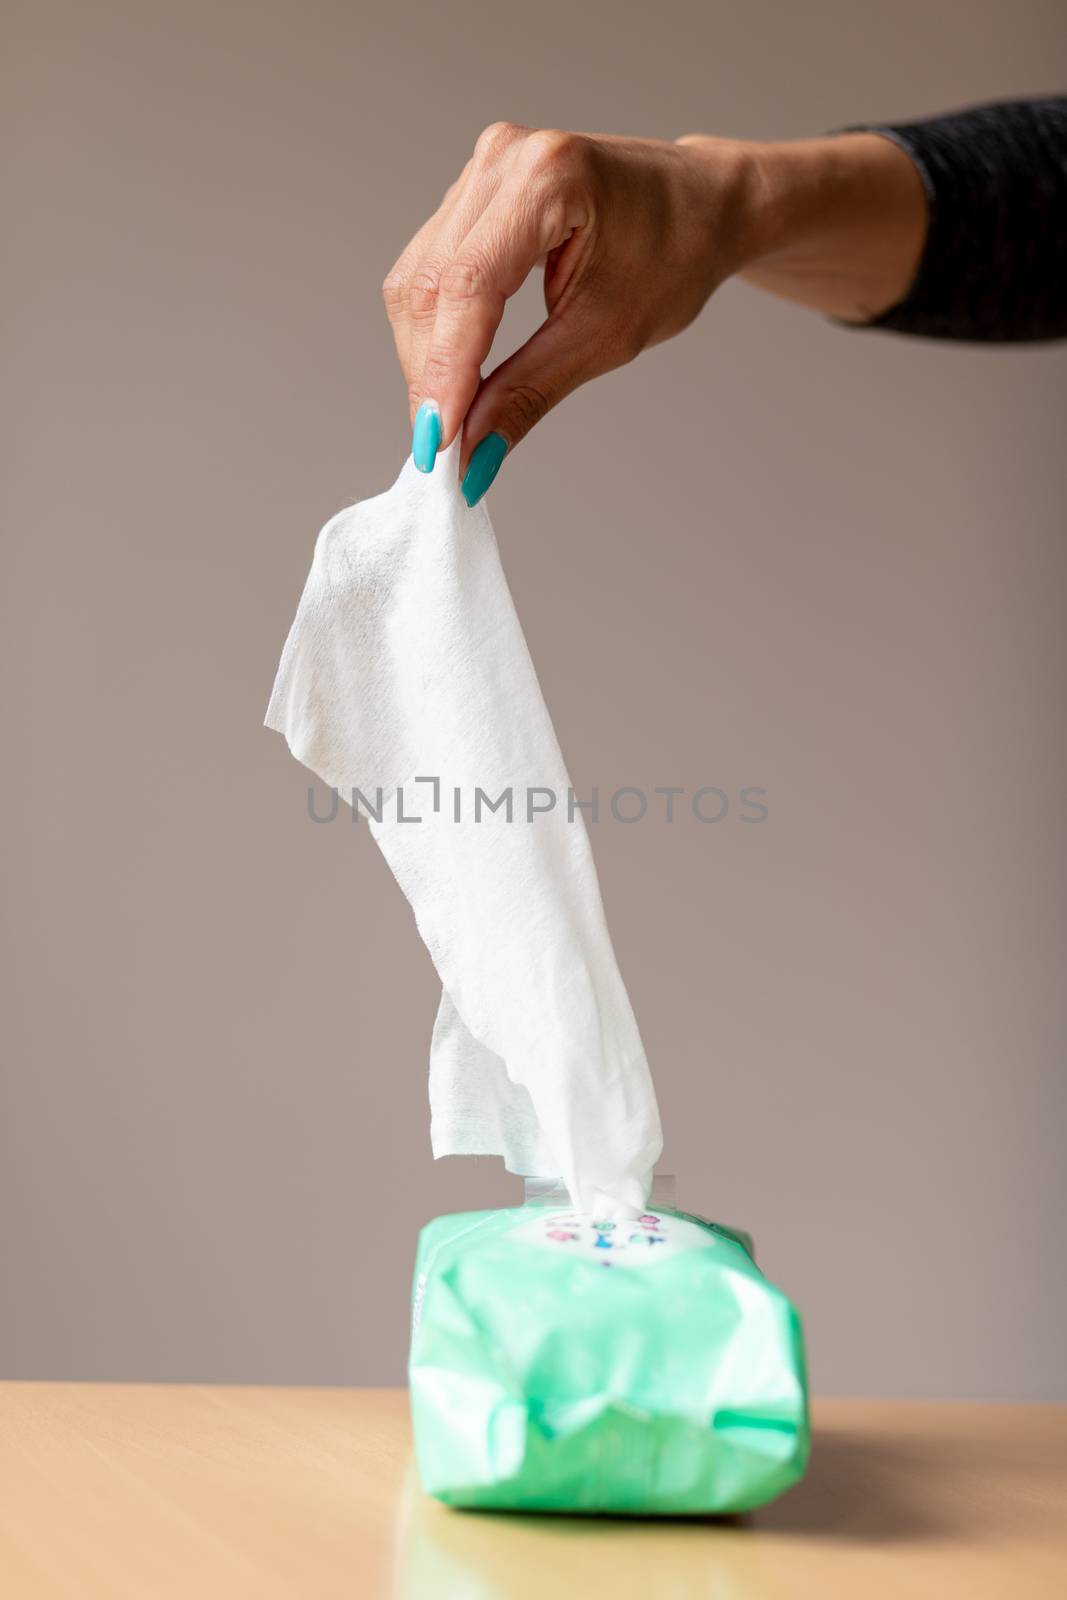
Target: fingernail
483	467
426	435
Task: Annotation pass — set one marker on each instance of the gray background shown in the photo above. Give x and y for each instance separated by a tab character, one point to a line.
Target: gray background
772	552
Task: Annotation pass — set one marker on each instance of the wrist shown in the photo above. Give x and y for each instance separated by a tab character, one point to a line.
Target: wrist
730	193
783	192
808	190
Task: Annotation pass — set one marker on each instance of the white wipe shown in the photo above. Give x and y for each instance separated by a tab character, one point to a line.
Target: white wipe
407	662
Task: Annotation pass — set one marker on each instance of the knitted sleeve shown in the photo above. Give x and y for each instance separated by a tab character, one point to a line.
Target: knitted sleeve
995	262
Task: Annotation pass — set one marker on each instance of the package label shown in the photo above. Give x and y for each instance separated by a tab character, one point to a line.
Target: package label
611	1242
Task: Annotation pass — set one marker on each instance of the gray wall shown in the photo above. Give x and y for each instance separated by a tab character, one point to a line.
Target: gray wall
772	552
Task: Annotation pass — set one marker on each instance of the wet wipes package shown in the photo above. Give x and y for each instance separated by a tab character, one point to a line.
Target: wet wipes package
567	1362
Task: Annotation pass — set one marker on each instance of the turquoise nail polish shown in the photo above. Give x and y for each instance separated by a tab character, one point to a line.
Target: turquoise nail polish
484	466
426	436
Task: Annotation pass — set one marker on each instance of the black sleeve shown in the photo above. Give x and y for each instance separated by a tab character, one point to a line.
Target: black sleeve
995	262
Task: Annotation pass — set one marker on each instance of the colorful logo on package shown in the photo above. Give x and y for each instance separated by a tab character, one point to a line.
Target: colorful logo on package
608	1242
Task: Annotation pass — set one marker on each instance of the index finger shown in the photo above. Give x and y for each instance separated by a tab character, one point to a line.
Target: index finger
491	264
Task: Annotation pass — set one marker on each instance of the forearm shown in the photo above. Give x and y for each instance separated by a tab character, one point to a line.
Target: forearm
837	224
954	227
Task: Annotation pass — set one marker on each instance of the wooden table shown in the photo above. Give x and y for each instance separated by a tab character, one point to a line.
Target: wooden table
116	1490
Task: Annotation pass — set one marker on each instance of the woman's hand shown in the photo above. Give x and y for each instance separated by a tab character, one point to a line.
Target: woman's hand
634	234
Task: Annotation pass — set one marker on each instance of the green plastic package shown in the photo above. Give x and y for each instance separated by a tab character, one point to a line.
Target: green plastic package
560	1363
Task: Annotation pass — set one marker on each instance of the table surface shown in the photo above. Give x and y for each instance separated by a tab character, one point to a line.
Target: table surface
180	1490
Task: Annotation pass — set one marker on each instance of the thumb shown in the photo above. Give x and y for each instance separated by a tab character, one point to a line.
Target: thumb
563	354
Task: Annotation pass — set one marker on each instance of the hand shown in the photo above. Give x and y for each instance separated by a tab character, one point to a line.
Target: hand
634	235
